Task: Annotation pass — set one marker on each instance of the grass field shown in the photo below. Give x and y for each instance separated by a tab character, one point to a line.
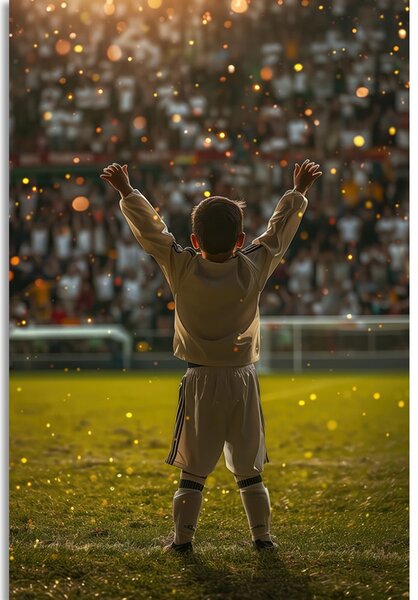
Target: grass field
91	496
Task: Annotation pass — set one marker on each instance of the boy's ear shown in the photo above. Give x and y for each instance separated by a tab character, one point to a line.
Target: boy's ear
240	240
194	241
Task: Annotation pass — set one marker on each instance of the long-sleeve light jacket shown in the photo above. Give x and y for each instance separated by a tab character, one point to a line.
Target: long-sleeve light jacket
217	319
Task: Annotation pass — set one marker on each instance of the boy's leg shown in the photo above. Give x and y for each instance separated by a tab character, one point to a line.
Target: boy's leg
198	439
256	500
245	451
187	503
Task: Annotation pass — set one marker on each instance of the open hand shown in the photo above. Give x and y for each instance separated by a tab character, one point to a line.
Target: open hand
304	175
118	177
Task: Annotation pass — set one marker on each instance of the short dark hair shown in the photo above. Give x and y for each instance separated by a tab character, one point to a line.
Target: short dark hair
217	222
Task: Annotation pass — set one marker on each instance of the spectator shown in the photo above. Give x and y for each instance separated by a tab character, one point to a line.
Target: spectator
69	288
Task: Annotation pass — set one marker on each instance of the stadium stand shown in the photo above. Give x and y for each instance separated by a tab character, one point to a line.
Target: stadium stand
202	100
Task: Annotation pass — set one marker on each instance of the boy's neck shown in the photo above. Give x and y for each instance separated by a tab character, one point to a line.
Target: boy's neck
222	257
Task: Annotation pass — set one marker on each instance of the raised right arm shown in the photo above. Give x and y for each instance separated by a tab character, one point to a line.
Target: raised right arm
148	227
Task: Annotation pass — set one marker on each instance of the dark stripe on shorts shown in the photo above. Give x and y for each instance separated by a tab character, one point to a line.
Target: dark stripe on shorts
262	422
178	426
250	481
262	417
192	485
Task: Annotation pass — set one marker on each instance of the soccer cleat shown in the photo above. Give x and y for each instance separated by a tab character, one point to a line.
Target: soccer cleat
265	545
179	548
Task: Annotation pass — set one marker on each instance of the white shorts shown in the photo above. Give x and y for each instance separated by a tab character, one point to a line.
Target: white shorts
219	409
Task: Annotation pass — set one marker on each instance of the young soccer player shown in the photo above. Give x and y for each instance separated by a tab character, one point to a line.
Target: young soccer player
216	287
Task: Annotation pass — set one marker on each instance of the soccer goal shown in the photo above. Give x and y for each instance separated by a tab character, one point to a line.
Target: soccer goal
334	343
50	346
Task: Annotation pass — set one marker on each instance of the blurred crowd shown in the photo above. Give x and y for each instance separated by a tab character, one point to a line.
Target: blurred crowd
202	99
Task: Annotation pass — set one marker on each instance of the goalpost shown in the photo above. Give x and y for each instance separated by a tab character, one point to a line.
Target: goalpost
306	342
77	332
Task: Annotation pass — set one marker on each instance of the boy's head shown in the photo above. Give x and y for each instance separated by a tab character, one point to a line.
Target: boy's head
217	225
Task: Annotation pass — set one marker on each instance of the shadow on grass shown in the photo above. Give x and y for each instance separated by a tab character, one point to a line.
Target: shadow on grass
254	577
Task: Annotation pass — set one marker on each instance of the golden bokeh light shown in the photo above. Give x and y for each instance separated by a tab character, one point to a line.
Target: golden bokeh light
80	203
62	47
109	8
362	92
114	53
140	122
266	73
359	141
239	6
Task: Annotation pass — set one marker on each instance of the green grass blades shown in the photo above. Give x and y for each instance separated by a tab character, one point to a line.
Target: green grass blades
90	494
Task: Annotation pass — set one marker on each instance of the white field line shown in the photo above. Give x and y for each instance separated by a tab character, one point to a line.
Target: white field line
299	391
